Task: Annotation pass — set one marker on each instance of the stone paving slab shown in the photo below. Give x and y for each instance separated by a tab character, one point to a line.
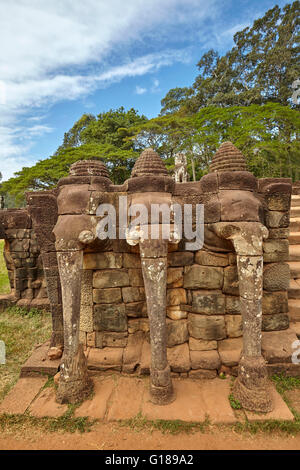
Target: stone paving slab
215	395
117	397
20	397
127	399
188	404
39	362
281	411
45	405
96	407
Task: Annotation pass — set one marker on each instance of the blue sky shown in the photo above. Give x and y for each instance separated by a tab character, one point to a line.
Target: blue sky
59	60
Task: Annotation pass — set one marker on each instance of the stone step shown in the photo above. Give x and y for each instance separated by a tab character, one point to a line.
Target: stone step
295	211
295	224
294	253
295	202
295	269
294	310
294	238
294	289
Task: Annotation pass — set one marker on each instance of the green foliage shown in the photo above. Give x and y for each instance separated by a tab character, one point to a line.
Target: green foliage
284	383
21	331
106	137
234	403
268	136
4	281
260	68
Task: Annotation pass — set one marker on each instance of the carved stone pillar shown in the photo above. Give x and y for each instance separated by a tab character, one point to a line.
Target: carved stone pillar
154	269
74	383
251	386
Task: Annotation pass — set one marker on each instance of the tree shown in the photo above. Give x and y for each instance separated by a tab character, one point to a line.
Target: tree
261	67
268	136
105	137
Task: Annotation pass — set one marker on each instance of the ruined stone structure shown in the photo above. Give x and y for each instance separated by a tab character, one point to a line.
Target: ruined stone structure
120	301
180	170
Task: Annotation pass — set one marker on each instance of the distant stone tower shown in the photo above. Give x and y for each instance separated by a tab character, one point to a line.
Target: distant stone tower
180	174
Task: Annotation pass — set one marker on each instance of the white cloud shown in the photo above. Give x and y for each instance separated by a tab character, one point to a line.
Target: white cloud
140	90
55	51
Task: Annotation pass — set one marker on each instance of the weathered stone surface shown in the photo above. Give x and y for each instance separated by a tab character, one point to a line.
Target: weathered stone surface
234	325
232	305
86	318
145	358
105	339
175	275
278	321
202	374
239	206
208	302
91	339
276	250
205	359
106	358
136	277
176	296
136	309
39	362
231	281
133	294
131	260
277	346
275	233
132	352
96	406
179	358
138	324
208	258
111	278
19	398
123	406
107	296
180	258
276	277
110	317
201	345
102	260
46	405
209	183
278	201
176	313
177	332
203	277
243	180
230	351
275	219
206	327
275	302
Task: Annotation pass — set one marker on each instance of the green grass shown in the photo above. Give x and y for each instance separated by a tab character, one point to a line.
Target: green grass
65	423
139	422
284	383
21	331
4	281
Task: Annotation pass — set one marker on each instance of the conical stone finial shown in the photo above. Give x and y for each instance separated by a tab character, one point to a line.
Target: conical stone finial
89	168
228	158
149	163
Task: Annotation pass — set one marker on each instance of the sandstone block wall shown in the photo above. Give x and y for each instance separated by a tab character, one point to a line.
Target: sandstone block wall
23	261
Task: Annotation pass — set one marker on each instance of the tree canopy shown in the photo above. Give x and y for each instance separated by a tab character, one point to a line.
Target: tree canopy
260	68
